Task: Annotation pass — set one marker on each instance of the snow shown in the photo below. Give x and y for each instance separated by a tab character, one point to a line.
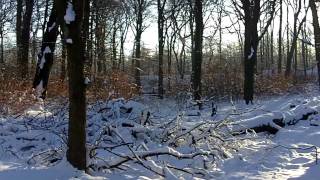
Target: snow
69	41
70	14
251	54
33	144
47	50
39	89
52	26
87	81
266	159
62	171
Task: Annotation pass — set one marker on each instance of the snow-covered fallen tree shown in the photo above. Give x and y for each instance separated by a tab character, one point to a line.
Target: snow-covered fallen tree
273	121
121	135
126	136
129	139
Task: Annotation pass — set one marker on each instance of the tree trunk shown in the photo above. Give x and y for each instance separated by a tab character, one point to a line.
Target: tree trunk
280	41
161	40
316	28
139	30
137	60
73	34
45	17
73	37
23	45
288	31
220	30
90	45
45	57
296	31
272	49
2	46
114	45
100	40
303	55
86	39
18	33
197	51
250	47
169	69
123	35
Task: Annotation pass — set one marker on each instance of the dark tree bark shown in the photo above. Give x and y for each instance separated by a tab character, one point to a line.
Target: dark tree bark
90	42
115	64
197	51
46	9
140	7
123	36
252	14
161	39
1	46
23	32
73	34
303	53
170	47
272	48
220	30
280	41
86	39
316	28
252	11
288	32
18	31
137	68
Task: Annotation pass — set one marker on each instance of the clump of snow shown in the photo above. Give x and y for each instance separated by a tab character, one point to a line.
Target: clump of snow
52	26
39	89
264	119
251	54
87	81
70	14
115	107
69	41
47	50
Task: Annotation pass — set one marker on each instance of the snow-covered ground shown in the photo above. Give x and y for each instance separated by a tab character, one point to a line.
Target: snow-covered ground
124	136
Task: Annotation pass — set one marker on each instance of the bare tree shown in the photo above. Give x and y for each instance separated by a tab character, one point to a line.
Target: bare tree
280	40
140	13
316	28
73	33
6	9
161	38
23	35
72	13
296	31
45	56
252	11
197	50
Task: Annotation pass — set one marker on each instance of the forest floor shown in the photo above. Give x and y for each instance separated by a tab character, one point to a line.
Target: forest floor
33	144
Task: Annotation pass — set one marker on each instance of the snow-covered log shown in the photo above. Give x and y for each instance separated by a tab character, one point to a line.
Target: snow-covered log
274	121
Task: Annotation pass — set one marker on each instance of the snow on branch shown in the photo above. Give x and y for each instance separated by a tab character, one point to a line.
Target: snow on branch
70	15
251	54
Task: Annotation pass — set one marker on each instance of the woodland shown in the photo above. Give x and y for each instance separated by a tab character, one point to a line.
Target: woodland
159	89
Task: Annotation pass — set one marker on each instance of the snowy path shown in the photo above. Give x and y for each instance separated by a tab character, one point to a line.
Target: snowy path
265	159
